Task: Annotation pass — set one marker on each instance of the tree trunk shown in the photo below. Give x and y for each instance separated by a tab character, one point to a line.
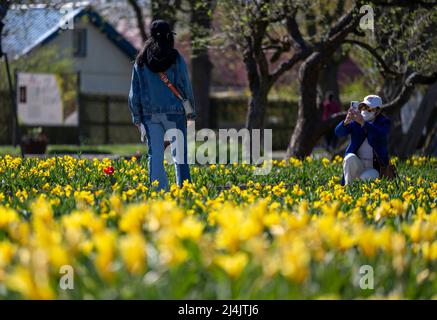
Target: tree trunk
259	90
309	126
328	79
396	133
307	130
257	110
201	66
390	90
392	87
410	141
431	132
304	138
430	146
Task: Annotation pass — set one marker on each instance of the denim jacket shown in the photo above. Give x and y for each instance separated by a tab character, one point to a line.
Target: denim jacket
150	95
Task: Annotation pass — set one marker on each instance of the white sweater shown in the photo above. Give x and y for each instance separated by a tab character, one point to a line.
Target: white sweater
365	153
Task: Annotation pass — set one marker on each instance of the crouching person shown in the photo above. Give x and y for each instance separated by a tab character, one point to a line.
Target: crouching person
367	150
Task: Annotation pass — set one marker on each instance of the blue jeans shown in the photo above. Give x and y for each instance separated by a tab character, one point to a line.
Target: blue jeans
173	126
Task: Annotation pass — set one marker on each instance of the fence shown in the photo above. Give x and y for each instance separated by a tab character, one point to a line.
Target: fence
280	117
107	120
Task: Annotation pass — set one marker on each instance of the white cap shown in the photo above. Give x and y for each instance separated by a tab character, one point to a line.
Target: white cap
372	101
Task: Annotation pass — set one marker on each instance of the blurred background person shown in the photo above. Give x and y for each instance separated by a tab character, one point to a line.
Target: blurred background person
330	106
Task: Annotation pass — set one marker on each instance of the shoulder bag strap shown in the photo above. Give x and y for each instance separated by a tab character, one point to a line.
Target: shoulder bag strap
170	85
380	161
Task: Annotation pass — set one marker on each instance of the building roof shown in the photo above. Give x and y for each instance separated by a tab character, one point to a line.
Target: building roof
28	28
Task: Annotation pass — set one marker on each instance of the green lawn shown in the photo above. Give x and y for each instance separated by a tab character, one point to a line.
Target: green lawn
123	150
120	149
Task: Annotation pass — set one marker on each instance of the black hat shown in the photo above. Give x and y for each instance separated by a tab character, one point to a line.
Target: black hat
160	30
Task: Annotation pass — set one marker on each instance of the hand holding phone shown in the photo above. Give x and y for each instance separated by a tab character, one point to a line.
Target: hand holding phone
353	109
349	117
355	104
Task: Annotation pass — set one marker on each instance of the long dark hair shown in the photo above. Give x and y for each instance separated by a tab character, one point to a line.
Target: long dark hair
157	54
141	57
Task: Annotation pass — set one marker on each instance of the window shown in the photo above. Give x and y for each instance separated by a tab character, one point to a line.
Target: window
79	42
23	94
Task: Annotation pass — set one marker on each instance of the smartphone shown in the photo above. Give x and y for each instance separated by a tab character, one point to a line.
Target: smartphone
354	104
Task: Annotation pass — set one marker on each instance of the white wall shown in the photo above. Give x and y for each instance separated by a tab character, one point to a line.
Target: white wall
105	69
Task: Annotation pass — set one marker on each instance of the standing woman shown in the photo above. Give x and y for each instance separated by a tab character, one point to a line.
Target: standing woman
160	98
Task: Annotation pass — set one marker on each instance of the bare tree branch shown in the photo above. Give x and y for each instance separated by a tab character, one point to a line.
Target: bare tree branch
279	49
140	18
374	53
337	34
406	3
294	32
346	24
288	64
352	16
407	89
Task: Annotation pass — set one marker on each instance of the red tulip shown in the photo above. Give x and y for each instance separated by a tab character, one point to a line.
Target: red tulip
109	170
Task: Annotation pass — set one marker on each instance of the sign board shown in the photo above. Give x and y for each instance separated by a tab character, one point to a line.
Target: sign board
45	99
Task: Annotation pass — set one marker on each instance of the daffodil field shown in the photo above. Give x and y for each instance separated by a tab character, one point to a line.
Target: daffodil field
295	233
